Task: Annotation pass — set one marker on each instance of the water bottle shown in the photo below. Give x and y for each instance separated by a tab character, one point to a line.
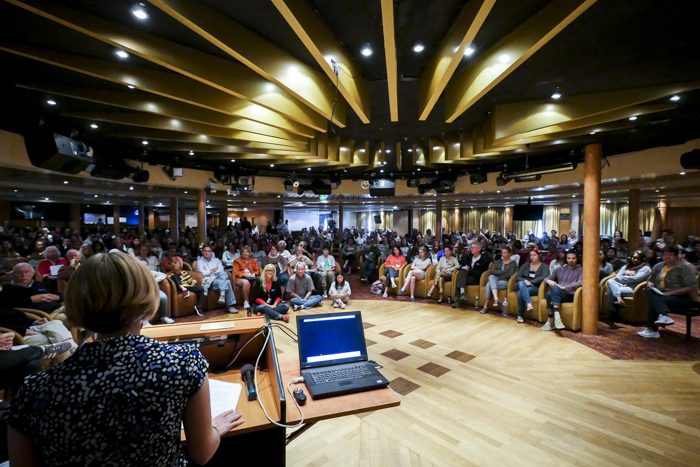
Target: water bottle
504	307
477	305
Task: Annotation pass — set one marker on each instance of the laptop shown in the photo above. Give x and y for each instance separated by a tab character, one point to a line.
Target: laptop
333	355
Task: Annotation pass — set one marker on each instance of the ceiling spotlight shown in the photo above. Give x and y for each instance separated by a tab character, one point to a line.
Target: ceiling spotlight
418	48
233	160
51	102
681	173
469	51
121	54
144	142
381	171
366	51
94	126
362	150
436	148
556	95
131	188
388	151
97	196
633	118
675	98
139	12
185	192
410	149
65	182
418	169
46	198
131	86
191	153
308	169
272	165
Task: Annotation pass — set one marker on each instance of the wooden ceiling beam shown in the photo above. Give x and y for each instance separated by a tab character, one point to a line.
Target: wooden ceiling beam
224	75
162	83
322	45
450	54
390	58
258	54
495	64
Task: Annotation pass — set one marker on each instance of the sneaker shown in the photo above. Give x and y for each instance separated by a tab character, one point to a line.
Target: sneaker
296	307
197	312
495	303
335	304
325	295
413	299
52	350
401	292
547	326
232	309
167	320
529	307
341	305
222	298
246	305
558	324
185	293
649	334
520	319
665	320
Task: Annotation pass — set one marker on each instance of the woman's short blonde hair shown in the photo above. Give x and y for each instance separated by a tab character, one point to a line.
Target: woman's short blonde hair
109	292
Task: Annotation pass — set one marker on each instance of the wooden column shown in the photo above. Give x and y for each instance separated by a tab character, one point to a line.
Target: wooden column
633	221
508	220
591	237
201	216
223	217
151	219
175	219
341	213
75	221
115	215
438	219
142	217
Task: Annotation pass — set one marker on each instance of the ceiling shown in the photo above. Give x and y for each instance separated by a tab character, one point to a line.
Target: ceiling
256	82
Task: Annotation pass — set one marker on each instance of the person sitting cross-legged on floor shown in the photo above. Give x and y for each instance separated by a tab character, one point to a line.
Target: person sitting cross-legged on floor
340	291
300	287
671	283
269	299
563	283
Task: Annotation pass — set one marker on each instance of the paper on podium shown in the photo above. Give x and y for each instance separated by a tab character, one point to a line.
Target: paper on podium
223	396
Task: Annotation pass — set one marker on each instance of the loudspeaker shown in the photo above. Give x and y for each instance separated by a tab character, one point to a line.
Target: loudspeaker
691	160
377	219
57	152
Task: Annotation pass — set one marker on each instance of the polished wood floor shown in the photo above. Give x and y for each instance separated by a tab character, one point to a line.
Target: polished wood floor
481	390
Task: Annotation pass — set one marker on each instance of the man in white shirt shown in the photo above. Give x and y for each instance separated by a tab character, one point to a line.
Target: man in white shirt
215	277
325	265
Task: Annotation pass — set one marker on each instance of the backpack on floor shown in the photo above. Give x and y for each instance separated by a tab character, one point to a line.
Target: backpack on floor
377	288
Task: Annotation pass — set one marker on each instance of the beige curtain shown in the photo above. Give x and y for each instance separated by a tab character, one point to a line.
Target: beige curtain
388	220
622	219
520	228
491	219
646	217
426	220
550	219
450	218
362	219
469	220
608	218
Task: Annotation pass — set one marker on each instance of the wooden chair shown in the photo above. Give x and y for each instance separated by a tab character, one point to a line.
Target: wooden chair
422	285
398	279
570	312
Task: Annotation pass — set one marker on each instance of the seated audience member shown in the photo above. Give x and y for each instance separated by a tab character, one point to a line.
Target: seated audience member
229	256
447	264
163	307
671	284
301	258
530	276
650	257
419	265
340	291
25	292
370	257
150	258
18	363
614	259
624	283
559	259
605	268
185	283
281	264
122	383
246	273
472	266
215	277
269	300
300	287
392	267
49	267
40	332
257	254
500	270
563	283
66	272
325	265
86	250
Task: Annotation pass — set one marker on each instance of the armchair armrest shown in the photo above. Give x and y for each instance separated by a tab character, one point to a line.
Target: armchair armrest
512	280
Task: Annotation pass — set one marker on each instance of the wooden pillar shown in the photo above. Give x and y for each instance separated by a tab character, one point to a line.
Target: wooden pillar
633	221
508	220
223	217
341	213
175	219
75	221
151	219
438	219
591	237
201	216
142	217
115	215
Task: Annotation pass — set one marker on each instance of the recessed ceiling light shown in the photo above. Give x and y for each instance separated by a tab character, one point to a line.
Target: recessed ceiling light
233	160
418	48
121	54
94	126
396	207
675	98
144	142
65	182
46	198
633	118
657	191
556	95
272	165
436	148
131	188
97	196
308	169
681	173
362	150
191	153
131	86
15	190
51	102
279	196
504	58
366	51
410	149
608	201
381	171
498	191
139	12
388	151
185	192
469	51
418	169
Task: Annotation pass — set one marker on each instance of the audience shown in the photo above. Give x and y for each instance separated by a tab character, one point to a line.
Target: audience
563	283
392	268
246	272
25	292
472	266
530	276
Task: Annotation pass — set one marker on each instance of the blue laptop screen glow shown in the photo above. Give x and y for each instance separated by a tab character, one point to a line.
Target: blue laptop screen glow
330	339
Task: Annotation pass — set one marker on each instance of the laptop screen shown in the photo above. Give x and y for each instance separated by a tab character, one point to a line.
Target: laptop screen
330	339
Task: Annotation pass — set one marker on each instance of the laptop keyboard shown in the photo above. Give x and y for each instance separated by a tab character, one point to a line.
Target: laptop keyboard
336	374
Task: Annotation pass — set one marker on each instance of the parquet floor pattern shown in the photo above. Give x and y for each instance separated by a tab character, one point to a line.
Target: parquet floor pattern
508	394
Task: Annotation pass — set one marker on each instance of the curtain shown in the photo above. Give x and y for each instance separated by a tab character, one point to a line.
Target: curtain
362	220
491	219
622	219
550	218
607	219
426	220
450	218
469	220
520	228
646	217
388	220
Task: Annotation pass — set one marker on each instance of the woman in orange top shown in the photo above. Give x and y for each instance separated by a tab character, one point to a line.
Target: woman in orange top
392	267
246	272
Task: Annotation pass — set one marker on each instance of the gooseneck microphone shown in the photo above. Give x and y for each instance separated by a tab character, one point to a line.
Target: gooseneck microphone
248	375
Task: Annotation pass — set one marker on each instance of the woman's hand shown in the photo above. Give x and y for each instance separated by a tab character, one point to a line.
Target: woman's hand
6	339
227	421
